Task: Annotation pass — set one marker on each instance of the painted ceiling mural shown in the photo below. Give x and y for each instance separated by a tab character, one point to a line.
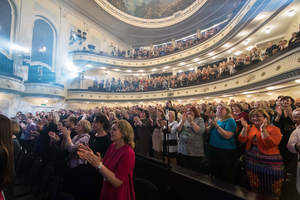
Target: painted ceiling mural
151	9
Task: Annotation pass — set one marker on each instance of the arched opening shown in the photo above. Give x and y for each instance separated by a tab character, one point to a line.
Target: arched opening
6	65
42	53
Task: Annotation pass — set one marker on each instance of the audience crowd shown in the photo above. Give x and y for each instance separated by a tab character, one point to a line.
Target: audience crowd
168	47
244	143
211	72
156	50
92	152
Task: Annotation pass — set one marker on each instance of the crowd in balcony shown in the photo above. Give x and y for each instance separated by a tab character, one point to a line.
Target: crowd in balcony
162	49
156	50
210	72
207	138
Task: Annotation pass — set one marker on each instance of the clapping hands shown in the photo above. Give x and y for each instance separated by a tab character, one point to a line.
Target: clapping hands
85	153
264	124
66	132
53	136
244	122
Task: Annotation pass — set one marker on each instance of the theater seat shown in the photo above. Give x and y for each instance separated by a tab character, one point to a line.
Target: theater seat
145	190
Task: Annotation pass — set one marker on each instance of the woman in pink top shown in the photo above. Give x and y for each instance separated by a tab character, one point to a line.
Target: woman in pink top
117	165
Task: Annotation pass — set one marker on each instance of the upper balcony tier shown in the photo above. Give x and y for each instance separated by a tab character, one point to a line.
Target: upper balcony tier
231	29
280	68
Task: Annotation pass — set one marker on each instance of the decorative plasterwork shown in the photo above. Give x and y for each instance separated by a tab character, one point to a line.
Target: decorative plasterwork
43	89
11	83
151	23
234	83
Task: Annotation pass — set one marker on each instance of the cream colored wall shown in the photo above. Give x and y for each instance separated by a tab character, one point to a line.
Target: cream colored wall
95	34
10	104
294	26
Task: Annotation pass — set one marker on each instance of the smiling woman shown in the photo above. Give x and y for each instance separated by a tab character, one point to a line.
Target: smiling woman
264	164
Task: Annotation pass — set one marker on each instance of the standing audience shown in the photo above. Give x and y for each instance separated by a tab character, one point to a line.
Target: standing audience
191	130
118	163
222	144
264	164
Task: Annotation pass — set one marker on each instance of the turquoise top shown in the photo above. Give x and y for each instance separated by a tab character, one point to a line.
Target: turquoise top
217	140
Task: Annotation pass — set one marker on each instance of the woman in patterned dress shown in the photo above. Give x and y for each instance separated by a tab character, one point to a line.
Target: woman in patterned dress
264	164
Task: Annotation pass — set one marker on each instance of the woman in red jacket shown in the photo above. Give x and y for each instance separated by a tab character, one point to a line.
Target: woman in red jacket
264	163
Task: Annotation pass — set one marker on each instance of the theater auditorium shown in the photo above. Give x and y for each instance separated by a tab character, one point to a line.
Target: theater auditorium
149	99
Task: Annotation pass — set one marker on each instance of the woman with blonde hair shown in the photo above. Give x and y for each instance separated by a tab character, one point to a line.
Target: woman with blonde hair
222	144
75	173
118	163
264	164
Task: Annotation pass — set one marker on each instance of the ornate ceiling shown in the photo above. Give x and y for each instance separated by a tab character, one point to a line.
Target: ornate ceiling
208	14
151	9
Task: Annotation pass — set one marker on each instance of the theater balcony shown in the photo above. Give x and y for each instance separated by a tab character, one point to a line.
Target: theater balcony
282	69
230	32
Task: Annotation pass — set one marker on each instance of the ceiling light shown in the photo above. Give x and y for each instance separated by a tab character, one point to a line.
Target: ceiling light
214	57
89	65
196	59
271	88
141	70
182	63
291	13
249	96
270	93
199	62
102	67
297	81
211	53
246	42
116	70
268	30
191	68
261	16
242	33
166	67
154	69
237	53
179	71
227	45
189	65
128	70
250	92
